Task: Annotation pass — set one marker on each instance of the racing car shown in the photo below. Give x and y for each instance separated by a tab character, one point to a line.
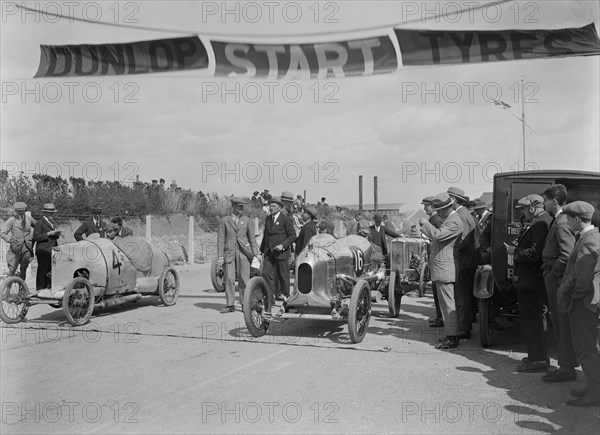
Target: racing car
95	273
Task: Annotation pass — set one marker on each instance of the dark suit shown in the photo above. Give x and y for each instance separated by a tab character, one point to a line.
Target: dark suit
485	238
529	282
557	248
308	230
125	232
43	250
88	228
579	295
378	238
276	269
235	243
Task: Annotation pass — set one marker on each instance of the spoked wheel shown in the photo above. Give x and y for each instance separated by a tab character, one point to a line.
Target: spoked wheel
168	286
78	301
487	322
15	303
423	279
394	294
217	276
359	313
256	303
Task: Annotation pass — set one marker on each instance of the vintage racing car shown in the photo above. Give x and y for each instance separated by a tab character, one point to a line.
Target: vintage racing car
95	273
336	279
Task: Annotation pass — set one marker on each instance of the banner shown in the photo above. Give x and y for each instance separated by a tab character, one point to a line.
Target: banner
425	47
354	57
119	59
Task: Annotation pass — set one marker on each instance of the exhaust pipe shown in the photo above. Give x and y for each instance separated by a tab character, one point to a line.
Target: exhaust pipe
119	300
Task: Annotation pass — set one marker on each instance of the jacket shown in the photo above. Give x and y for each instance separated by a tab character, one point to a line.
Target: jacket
528	254
44	242
557	247
88	228
279	232
232	238
20	239
443	240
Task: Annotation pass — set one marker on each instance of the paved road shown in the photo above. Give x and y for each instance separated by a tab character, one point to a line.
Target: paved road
146	368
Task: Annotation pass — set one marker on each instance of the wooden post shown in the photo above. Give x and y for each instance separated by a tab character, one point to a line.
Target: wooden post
148	228
304	197
375	205
191	241
360	197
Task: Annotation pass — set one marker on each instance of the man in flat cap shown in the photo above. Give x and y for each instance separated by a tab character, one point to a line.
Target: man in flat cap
436	221
579	296
45	236
529	282
93	225
279	234
236	248
309	229
18	233
443	270
467	262
557	248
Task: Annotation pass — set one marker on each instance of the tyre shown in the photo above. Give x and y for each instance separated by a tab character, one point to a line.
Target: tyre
168	286
359	313
487	322
394	296
217	276
423	278
257	302
78	301
15	303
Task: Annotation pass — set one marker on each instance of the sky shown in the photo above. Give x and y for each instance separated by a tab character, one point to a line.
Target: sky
419	130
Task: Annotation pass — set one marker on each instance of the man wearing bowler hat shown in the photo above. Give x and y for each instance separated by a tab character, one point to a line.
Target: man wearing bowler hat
278	236
309	229
579	296
18	233
443	270
236	248
94	225
45	236
529	282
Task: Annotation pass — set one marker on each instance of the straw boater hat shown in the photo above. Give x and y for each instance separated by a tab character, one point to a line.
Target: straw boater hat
441	201
276	200
287	196
458	194
48	208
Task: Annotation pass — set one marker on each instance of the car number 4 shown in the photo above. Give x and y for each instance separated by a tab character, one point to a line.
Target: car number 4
116	263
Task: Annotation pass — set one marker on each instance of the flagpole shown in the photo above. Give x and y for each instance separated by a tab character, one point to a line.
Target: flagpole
523	119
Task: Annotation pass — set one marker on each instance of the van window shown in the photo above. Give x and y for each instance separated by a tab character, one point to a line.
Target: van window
582	190
519	190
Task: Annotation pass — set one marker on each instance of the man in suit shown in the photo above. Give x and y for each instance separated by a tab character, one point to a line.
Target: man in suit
94	225
279	234
378	233
557	248
389	227
529	282
309	229
45	236
483	219
467	263
579	296
123	231
436	221
443	270
18	233
236	248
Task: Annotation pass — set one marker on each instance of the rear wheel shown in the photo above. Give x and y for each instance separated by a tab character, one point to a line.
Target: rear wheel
359	313
217	276
14	300
168	286
487	322
257	303
78	301
394	294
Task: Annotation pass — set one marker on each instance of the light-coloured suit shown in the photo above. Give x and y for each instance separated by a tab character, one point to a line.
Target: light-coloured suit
557	248
443	268
235	243
579	295
19	235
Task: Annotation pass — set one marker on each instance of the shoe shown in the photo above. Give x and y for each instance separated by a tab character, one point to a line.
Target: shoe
581	391
533	367
228	310
437	319
465	336
560	376
448	343
437	324
591	398
526	360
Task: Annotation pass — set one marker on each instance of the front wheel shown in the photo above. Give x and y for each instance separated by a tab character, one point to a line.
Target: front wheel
217	276
487	322
423	279
15	303
78	301
168	286
359	313
257	303
394	295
